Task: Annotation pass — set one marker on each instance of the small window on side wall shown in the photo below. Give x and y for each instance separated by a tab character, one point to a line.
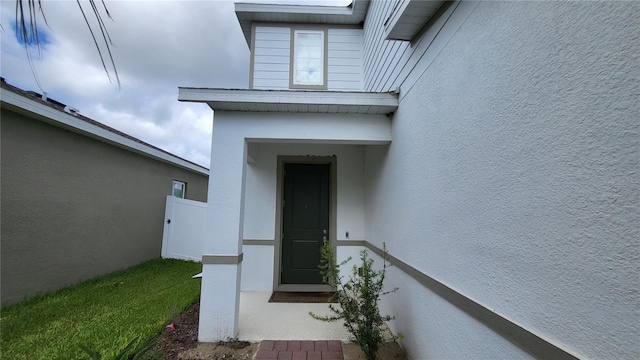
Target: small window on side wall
179	189
308	69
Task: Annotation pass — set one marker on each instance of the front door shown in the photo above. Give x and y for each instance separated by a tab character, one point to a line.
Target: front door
305	222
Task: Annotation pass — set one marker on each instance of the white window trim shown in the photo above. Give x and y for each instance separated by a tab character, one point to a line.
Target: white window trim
184	188
292	67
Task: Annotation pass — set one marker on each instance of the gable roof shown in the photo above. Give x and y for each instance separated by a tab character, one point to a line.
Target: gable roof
53	112
352	14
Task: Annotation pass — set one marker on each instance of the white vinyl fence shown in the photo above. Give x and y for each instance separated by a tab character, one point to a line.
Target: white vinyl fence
184	227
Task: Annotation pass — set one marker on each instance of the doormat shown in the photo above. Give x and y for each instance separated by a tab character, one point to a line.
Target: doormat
301	297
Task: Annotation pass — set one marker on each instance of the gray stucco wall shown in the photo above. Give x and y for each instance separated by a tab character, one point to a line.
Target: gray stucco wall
513	177
74	207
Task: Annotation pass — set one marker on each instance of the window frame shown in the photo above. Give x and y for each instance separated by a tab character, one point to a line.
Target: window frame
292	62
184	189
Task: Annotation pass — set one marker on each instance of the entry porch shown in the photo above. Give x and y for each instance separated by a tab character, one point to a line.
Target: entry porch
286	176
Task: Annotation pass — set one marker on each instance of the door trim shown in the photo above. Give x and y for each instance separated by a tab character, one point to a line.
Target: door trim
277	253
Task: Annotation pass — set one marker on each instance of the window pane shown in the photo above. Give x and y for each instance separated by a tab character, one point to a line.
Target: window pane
308	67
178	189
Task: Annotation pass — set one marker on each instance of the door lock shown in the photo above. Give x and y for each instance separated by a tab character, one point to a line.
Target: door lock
324	237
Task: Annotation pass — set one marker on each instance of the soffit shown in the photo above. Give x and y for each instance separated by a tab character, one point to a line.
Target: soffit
353	14
408	17
329	102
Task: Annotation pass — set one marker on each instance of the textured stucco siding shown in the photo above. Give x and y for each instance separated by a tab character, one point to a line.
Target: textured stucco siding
513	178
74	207
261	180
238	135
260	203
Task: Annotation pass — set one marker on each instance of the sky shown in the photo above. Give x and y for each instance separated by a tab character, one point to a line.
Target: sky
158	47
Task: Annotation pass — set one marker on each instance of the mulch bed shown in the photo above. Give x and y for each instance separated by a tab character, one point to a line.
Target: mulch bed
181	343
170	342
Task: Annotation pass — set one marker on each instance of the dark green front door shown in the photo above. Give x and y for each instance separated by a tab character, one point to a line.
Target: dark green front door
305	221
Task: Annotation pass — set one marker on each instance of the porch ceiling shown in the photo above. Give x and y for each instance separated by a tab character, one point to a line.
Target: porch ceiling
331	102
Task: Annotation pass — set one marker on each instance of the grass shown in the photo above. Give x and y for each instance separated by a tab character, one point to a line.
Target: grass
104	313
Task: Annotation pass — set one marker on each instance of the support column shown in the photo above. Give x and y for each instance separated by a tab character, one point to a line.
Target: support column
220	298
222	247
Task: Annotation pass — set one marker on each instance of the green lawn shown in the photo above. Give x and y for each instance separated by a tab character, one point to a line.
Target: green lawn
104	314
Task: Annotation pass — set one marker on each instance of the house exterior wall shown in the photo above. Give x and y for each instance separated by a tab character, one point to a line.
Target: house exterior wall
74	207
271	56
233	132
380	53
260	204
388	63
345	59
512	178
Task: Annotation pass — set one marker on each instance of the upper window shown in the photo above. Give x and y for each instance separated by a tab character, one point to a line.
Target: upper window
308	63
179	189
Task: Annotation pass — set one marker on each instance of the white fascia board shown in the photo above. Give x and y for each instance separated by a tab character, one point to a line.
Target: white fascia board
409	17
289	97
293	9
57	118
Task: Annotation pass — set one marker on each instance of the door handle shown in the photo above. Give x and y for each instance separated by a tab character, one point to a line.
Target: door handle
324	236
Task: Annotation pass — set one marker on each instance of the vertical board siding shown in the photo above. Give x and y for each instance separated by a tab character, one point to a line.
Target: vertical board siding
272	53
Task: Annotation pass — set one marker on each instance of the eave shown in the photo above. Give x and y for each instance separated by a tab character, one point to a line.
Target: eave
353	14
81	125
329	102
408	17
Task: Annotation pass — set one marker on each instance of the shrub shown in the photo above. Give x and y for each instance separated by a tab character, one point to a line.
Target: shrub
358	298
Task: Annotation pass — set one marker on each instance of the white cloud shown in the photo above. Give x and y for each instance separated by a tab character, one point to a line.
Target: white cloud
159	46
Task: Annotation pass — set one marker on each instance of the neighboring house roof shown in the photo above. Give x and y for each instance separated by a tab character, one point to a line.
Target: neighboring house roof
53	112
299	101
352	14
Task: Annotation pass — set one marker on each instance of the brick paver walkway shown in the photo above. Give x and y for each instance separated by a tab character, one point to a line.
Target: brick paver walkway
300	350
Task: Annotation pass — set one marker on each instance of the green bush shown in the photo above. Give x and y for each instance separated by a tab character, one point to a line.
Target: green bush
358	298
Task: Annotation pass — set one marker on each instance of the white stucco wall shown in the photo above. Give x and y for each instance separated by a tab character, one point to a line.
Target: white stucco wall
232	131
245	209
261	180
260	202
223	240
513	179
257	268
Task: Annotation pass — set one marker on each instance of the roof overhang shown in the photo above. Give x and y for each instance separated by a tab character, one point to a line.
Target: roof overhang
408	17
330	102
352	14
36	110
